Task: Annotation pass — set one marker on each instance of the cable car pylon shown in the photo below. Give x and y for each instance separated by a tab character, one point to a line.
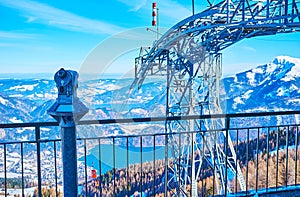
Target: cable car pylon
189	56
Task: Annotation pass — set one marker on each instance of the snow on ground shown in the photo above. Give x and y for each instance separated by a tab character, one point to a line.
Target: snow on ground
39	95
20	130
270	68
15	154
251	77
45	129
3	101
293	87
240	99
13	192
293	101
282	59
110	87
11	175
15	120
294	72
237	100
246	95
297	118
23	88
280	92
139	111
2	133
24	138
16	95
258	70
27	191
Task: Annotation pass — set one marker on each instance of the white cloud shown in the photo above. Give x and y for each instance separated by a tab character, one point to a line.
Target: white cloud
30	19
15	35
45	14
135	5
248	48
139	5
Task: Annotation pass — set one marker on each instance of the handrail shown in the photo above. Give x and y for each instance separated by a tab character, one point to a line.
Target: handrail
152	119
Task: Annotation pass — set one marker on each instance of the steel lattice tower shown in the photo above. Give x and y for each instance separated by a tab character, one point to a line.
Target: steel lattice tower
193	89
188	55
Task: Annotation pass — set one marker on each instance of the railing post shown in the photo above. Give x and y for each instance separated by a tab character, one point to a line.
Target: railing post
227	126
22	168
85	169
55	167
38	152
67	110
166	165
69	155
5	170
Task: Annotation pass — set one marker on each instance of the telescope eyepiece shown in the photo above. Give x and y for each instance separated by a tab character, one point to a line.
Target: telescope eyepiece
62	73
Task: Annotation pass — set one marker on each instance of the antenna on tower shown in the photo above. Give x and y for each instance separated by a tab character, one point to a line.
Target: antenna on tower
155	18
193	7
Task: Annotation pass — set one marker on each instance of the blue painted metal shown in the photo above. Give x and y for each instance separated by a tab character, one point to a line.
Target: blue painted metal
69	155
221	25
38	152
67	111
190	50
253	130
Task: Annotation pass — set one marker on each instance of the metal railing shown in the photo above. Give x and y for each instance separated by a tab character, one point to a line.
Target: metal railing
266	145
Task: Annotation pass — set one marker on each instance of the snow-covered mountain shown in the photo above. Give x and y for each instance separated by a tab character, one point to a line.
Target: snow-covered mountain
270	87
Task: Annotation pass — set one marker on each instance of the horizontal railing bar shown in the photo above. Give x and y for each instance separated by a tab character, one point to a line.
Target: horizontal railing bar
190	117
31	141
108	137
28	124
147	134
153	119
264	127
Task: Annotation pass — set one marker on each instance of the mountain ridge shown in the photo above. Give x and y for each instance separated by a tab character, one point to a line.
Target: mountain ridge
269	87
253	89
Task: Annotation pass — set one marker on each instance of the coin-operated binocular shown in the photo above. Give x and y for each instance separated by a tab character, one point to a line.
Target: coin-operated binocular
67	109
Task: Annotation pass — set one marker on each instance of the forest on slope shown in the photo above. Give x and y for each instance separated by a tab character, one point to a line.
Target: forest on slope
274	164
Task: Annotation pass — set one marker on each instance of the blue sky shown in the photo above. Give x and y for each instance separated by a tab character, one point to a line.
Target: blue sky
42	36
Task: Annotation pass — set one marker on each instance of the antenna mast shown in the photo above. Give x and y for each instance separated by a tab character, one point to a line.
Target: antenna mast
155	18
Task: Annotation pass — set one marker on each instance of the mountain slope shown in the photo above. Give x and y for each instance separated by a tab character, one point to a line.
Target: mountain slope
270	87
